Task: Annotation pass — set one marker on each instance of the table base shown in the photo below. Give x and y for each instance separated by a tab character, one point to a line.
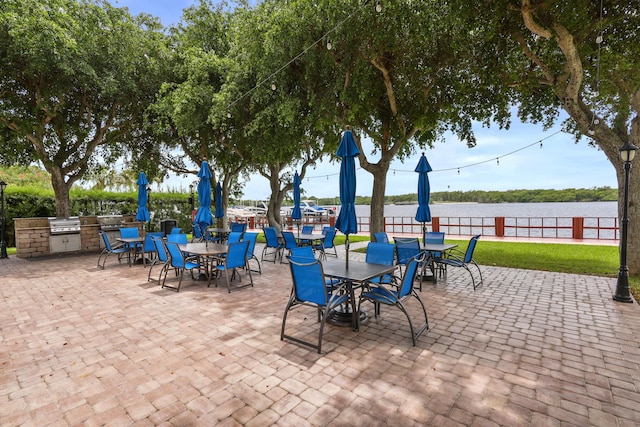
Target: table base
342	316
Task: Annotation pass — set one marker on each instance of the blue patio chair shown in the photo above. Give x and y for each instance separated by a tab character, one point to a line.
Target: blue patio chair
273	243
381	237
234	260
133	248
289	240
382	253
252	239
179	262
117	249
327	228
456	258
303	252
179	238
234	237
176	230
435	237
381	295
238	226
309	290
408	248
306	229
327	243
149	247
162	256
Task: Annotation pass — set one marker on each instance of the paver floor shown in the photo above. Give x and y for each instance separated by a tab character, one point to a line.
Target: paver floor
84	346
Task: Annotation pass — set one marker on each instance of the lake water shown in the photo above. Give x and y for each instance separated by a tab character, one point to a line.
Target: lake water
556	209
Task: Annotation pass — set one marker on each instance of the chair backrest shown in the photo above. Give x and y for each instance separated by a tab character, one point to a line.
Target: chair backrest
176	230
161	250
406	248
468	256
328	238
327	228
127	232
302	253
238	226
177	257
236	254
308	281
234	237
149	246
381	253
251	238
105	239
289	240
381	237
307	229
406	286
179	238
271	237
434	237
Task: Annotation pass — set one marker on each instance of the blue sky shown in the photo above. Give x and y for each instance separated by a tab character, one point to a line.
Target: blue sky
560	162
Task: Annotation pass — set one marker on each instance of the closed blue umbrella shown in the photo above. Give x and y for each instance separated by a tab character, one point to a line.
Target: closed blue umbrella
347	221
297	212
423	214
203	216
142	214
219	211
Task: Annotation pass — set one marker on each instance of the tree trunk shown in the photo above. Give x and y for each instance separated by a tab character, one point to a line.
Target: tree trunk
275	202
377	199
61	191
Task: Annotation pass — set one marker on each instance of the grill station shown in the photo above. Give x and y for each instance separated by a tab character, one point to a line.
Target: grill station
65	234
111	225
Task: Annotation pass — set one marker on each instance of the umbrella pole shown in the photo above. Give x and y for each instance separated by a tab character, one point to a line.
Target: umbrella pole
346	246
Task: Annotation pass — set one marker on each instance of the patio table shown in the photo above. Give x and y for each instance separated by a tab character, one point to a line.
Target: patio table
430	248
210	251
357	273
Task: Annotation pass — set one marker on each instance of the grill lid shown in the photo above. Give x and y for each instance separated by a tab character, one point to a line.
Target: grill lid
69	225
111	222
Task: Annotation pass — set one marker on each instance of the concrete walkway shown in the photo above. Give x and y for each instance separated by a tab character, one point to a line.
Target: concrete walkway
83	346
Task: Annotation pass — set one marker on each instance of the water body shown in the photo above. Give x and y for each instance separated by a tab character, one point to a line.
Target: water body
524	210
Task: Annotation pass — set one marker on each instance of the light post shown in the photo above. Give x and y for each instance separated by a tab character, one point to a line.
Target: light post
3	231
627	153
191	197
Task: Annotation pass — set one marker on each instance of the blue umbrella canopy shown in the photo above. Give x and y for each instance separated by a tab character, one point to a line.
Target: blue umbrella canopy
347	221
203	216
142	214
424	213
297	212
219	210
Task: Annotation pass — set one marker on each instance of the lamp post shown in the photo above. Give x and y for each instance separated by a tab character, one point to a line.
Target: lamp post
627	153
3	231
191	197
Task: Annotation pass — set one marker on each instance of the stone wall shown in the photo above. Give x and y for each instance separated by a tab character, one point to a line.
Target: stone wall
32	235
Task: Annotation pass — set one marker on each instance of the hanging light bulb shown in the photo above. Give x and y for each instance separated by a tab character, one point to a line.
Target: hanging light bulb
498	161
378	6
273	86
228	114
458	171
540	144
329	45
599	39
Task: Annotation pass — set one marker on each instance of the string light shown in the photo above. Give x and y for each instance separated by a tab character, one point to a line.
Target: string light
498	161
599	39
329	45
378	6
273	86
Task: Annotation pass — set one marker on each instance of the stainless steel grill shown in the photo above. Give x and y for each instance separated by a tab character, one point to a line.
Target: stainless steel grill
111	222
69	225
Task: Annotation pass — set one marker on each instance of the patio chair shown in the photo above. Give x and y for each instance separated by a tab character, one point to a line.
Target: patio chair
200	233
234	237
162	256
456	258
327	228
176	230
252	238
238	226
271	236
435	237
382	253
381	237
309	289
327	243
234	259
149	247
179	238
133	248
289	240
381	295
306	229
179	262
118	249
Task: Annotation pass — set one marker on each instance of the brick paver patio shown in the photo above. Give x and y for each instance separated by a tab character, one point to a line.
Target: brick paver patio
83	346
